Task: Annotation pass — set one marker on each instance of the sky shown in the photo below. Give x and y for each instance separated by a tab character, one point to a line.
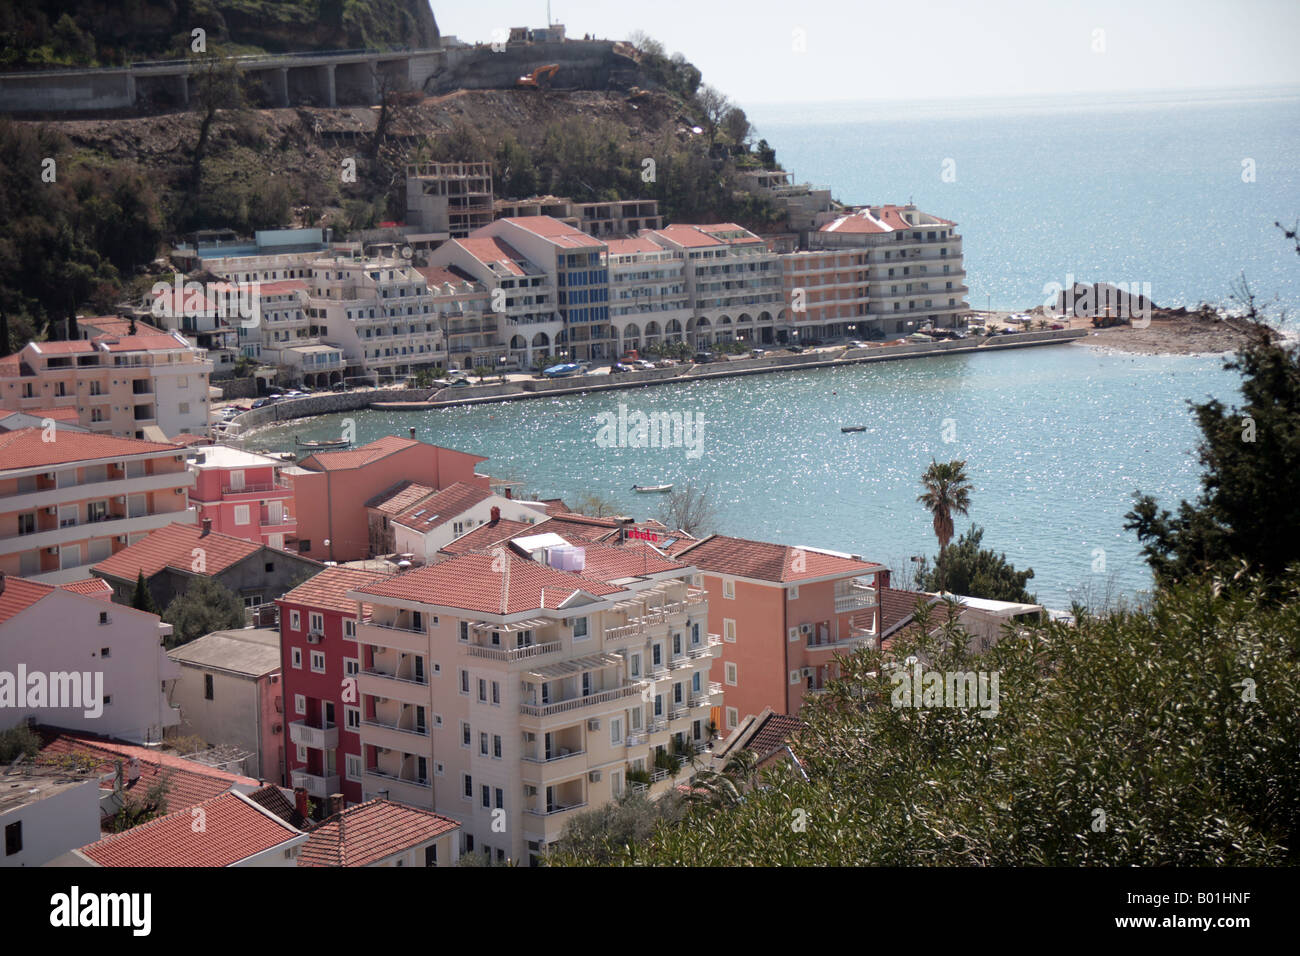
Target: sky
933	49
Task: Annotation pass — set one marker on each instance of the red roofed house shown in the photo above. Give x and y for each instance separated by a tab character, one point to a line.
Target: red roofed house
172	556
331	489
229	830
425	526
382	833
70	499
118	384
521	684
319	661
244	496
105	673
783	613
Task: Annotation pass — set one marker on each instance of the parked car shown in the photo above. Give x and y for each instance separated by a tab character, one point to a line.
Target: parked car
758	353
644	364
794	348
1056	326
665	363
620	367
704	358
460	383
269	400
563	371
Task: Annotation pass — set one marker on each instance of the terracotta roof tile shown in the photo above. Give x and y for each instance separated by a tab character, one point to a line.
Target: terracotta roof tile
766	561
20	594
395	500
172	546
449	503
487	535
91	587
371	832
328	590
23	448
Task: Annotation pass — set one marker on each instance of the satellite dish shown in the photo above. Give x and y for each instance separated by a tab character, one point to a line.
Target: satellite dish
407	252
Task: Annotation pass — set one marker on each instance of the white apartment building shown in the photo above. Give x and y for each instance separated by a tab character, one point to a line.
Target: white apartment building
734	282
520	295
510	689
895	269
379	312
647	291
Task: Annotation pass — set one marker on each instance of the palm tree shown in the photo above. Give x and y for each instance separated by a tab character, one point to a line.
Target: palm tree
726	787
947	493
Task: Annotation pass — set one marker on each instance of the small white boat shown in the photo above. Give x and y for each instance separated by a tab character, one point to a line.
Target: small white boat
651	489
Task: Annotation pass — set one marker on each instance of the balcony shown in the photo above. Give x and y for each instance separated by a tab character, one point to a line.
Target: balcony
709	698
380	684
580	703
510	655
318	785
305	734
267	488
855	598
705	649
107	488
394	737
408	790
114	525
396	636
829	642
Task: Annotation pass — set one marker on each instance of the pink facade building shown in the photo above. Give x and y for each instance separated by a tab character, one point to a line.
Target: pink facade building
244	495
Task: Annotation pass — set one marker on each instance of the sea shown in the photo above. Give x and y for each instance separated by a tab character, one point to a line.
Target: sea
1181	192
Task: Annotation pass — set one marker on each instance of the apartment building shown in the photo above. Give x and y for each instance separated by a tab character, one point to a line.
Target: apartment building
521	295
449	198
284	335
600	219
734	283
244	495
783	613
647	292
472	330
331	489
379	313
70	502
576	262
429	523
76	630
801	202
118	384
510	688
894	269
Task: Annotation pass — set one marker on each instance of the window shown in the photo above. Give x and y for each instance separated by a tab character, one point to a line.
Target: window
317	622
318	662
487	797
351	666
794	677
634	665
241	514
496	746
732	718
501	801
579	628
207	687
352	766
732	673
350	630
467	791
794	593
496	694
615	731
352	718
483	746
301	753
464	681
295	620
300	704
296	657
728	589
431	855
464	631
14	838
465	734
482	690
729	630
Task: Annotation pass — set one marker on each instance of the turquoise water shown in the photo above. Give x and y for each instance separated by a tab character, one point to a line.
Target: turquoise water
1057	439
1123	188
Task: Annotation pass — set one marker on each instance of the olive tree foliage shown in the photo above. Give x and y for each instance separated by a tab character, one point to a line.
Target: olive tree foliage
1160	737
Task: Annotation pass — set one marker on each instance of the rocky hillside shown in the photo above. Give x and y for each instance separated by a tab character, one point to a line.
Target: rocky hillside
111	32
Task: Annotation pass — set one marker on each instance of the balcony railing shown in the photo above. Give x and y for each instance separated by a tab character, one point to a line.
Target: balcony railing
411	781
524	653
405	629
380	725
577	703
557	754
555	808
318	738
255	489
855	599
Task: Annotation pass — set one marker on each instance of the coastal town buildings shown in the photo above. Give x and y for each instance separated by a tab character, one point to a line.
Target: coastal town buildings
331	488
784	613
521	684
429	519
111	656
801	202
117	384
600	219
73	500
453	199
733	280
647	294
319	661
244	495
228	692
173	556
382	833
471	328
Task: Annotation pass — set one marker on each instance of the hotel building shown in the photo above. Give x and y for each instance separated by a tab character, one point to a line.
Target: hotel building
647	293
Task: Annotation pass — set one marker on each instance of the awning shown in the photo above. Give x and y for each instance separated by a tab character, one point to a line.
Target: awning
575	666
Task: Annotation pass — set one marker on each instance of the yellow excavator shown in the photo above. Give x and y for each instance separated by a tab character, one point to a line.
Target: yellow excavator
540	78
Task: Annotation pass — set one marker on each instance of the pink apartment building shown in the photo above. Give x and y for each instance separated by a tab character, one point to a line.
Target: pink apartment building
244	495
783	613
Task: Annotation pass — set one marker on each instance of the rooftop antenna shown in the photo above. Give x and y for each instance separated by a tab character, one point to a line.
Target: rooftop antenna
548	12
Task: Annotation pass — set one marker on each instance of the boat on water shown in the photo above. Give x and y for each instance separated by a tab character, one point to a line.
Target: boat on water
853	428
651	489
324	443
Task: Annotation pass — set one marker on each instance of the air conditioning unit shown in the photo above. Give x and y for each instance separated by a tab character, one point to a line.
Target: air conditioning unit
381	700
805	628
178	491
593	724
121	539
808	671
51	550
51	510
594	776
121	499
277	728
380	650
315	637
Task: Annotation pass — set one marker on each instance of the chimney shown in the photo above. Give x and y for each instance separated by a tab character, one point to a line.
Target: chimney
335	804
300	801
882	579
509	495
412	434
133	770
207	527
496	516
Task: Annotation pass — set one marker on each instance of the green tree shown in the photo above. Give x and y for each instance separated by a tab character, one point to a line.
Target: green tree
947	492
18	741
1141	738
142	597
966	568
205	606
601	835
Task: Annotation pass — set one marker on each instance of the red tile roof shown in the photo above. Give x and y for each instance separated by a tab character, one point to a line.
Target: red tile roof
172	546
68	413
575	527
163	342
623	247
468	582
449	503
404	494
19	595
188	782
556	231
608	562
24	448
443	275
62	347
896	609
91	587
328	590
488	251
773	733
765	561
486	535
281	286
364	455
234	828
371	832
